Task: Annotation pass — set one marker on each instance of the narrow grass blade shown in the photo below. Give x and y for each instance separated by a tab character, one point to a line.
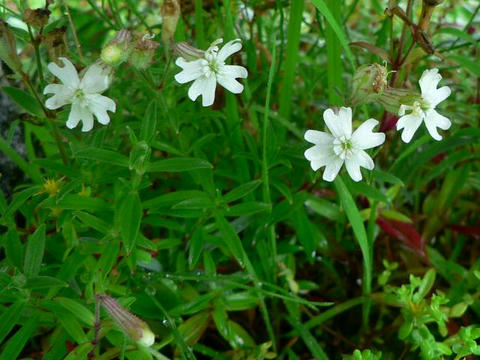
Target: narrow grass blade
323	8
360	234
290	69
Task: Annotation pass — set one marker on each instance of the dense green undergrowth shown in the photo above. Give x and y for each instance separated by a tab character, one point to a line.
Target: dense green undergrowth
208	223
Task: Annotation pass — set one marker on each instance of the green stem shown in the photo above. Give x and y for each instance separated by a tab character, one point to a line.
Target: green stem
266	184
37	55
48	116
74	31
199	28
106	18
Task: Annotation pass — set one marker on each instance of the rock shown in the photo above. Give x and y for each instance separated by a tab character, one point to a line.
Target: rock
10	175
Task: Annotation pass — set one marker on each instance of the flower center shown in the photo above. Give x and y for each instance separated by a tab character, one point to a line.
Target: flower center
79	96
418	109
343	147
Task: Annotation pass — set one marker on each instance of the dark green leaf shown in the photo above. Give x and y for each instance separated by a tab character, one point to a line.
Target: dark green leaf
26	101
34	252
130	216
179	165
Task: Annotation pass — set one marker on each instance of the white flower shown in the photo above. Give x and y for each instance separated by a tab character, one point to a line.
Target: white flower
341	146
210	69
84	95
424	110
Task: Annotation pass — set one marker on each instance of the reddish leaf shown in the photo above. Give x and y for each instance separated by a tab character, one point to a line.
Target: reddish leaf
406	233
473	231
439	158
388	122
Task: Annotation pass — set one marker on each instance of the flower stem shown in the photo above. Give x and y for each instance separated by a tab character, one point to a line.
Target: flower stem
74	31
49	117
266	184
37	54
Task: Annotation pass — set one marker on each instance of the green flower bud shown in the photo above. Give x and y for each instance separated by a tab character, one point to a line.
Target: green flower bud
391	99
8	47
142	53
117	51
136	329
368	84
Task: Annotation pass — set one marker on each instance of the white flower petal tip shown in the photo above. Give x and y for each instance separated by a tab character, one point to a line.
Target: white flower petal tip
341	146
84	94
207	71
424	110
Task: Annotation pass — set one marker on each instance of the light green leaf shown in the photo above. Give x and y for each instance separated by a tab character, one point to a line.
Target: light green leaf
179	165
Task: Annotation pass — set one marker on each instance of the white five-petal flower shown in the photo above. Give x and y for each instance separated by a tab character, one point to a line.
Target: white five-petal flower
341	146
84	94
205	72
424	110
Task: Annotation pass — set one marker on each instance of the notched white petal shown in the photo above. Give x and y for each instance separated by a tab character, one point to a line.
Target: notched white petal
365	138
353	169
429	81
191	70
99	105
79	113
339	125
318	137
235	71
318	152
63	96
67	74
229	48
230	84
439	95
95	80
410	124
208	95
332	168
434	120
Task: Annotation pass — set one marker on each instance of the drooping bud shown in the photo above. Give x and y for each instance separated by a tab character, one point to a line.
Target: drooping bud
392	99
118	50
188	52
368	84
8	47
170	11
142	52
55	42
37	17
135	328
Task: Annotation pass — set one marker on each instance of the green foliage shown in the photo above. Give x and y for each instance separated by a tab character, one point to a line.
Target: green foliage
208	223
